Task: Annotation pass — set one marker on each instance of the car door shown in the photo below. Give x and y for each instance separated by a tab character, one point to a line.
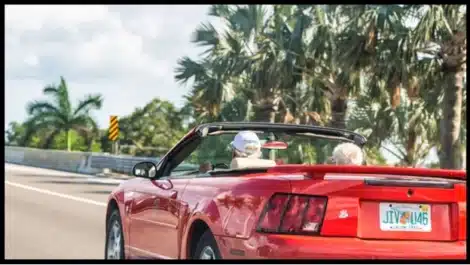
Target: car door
139	213
158	204
155	218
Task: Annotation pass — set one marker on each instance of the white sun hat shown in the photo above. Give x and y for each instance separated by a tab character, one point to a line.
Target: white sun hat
246	144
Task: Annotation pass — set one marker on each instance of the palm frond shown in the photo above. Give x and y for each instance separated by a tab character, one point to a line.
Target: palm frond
37	106
205	35
187	69
63	97
88	103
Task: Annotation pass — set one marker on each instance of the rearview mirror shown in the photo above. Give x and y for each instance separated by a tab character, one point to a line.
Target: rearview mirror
145	170
274	145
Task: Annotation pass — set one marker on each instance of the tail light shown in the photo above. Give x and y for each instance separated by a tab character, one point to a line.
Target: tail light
293	214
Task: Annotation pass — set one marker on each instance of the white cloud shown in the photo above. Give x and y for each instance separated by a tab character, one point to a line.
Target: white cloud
126	53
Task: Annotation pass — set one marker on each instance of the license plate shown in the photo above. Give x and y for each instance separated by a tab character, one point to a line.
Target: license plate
405	217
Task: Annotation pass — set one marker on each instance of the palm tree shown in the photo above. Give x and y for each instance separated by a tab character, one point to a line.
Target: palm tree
278	70
213	74
242	59
441	34
58	115
320	66
376	40
388	46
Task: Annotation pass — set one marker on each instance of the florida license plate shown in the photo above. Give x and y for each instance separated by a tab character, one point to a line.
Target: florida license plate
405	217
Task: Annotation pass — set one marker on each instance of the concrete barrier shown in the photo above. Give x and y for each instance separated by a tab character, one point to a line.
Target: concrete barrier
80	162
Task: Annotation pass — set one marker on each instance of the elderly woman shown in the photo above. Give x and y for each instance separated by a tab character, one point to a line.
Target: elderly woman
347	154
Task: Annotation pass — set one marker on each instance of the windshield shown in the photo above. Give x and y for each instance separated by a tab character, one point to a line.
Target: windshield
283	148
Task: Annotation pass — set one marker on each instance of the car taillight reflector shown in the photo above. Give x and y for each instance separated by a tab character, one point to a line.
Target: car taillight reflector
293	214
273	212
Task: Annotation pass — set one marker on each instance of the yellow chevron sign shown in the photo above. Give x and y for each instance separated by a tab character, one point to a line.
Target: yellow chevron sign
113	128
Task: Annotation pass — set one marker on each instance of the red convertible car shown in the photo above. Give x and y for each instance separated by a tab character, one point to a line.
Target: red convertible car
200	202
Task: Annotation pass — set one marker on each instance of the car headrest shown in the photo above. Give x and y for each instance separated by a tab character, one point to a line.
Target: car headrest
244	162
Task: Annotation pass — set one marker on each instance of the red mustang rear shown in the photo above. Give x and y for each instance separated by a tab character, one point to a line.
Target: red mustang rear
176	210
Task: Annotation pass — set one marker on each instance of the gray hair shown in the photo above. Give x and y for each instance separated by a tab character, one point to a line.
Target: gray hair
255	154
348	154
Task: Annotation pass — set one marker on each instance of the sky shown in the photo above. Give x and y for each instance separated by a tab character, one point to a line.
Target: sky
126	53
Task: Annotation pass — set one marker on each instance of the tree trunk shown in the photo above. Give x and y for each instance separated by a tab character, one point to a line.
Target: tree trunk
395	91
69	140
410	148
454	54
265	111
249	109
451	120
339	106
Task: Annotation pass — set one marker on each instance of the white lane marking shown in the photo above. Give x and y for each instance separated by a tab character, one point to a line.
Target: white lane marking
105	181
53	193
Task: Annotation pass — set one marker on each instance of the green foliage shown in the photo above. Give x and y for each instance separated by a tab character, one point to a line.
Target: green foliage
14	134
374	156
79	143
16	131
215	149
151	130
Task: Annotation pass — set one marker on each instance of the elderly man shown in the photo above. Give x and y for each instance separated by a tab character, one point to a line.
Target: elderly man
246	151
347	154
246	144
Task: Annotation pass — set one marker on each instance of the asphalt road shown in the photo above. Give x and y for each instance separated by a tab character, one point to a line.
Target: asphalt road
53	214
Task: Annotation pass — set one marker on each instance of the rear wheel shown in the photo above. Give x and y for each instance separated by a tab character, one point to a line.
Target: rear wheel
114	237
207	248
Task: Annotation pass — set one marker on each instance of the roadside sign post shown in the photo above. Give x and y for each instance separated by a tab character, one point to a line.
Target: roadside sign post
114	133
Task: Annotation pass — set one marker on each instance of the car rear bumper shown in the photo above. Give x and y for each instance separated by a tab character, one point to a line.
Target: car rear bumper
269	246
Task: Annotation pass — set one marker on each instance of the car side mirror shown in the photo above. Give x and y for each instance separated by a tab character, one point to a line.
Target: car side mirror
145	170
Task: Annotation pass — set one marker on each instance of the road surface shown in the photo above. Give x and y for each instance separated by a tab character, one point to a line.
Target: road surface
53	214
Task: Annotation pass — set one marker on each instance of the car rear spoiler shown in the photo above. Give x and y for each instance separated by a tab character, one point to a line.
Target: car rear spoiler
382	170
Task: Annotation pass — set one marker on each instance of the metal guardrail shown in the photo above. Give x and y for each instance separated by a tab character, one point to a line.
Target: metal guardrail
81	162
122	164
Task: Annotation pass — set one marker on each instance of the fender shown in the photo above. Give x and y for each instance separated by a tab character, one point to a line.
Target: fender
200	213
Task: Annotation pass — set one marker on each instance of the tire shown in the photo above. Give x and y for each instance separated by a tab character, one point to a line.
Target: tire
207	247
112	249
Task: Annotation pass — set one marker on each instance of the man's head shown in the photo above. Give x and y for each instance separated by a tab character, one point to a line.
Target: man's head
347	154
204	167
246	144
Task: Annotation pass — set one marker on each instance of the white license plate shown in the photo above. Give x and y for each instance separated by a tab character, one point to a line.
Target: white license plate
405	217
